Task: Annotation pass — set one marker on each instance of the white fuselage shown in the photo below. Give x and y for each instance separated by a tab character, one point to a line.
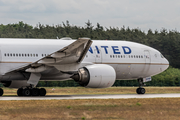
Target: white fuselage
130	60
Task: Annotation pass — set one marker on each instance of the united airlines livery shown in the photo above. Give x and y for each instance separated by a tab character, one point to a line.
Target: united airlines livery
91	63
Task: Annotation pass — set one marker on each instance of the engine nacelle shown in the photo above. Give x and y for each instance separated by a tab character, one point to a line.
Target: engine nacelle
15	83
96	76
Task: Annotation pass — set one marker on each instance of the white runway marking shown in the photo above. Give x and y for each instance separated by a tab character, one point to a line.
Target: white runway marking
67	97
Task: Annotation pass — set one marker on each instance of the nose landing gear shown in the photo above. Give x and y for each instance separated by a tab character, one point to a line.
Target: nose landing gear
140	90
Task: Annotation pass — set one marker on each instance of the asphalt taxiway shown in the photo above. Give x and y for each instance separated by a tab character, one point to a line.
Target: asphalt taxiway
67	97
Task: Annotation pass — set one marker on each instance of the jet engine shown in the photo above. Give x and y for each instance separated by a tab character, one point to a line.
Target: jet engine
96	76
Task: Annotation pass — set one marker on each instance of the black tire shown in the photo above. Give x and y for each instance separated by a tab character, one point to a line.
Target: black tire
138	90
20	92
35	92
42	92
142	91
1	92
27	92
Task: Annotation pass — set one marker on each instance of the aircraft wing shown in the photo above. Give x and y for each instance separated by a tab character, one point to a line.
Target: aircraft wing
73	53
77	50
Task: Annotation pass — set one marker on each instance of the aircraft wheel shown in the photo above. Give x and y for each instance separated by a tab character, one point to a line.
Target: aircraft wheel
42	92
20	92
1	92
140	90
27	92
35	92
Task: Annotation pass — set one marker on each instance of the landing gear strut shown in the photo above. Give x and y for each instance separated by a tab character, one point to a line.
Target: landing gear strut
31	92
1	91
140	90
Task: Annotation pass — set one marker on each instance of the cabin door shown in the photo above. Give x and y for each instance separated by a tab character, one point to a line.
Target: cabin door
147	57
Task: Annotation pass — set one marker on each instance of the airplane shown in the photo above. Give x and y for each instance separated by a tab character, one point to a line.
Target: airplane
91	63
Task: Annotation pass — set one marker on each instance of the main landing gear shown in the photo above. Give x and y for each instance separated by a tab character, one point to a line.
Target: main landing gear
140	90
31	92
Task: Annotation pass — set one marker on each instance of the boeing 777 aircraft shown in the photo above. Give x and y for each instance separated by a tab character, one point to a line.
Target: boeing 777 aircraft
91	63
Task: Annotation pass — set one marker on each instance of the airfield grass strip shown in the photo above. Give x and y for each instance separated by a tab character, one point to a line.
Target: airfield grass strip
116	109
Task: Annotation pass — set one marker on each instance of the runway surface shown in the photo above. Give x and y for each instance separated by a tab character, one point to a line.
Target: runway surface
65	97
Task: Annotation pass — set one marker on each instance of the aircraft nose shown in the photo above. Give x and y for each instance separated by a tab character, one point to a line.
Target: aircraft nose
165	64
166	61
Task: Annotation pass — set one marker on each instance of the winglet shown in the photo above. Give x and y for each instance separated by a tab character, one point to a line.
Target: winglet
85	50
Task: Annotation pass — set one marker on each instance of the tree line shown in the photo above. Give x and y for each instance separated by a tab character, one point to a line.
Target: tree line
166	41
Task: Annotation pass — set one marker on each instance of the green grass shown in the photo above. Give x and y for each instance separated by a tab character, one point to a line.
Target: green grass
125	109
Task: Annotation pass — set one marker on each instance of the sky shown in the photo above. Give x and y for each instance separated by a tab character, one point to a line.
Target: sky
142	14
